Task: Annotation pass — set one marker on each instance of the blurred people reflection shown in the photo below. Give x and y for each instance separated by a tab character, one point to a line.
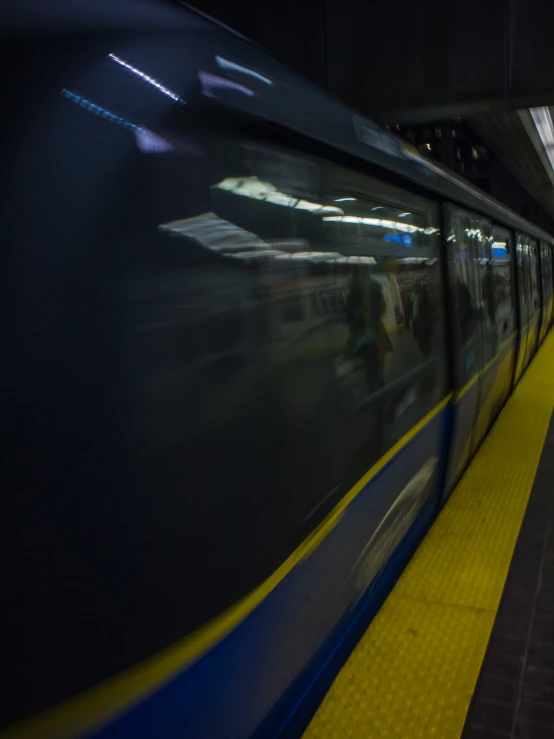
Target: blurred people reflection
488	290
368	336
465	308
421	318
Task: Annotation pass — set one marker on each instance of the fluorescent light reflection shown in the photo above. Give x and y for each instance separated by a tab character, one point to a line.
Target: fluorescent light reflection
151	143
147	141
226	64
252	187
211	82
230	240
356	260
475	233
147	78
382	223
258	255
99	110
314	256
216	234
418	260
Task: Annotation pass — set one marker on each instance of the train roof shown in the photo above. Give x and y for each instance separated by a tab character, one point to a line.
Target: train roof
269	91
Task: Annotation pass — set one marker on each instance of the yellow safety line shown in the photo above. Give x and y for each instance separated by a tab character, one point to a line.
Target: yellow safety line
104	702
414	671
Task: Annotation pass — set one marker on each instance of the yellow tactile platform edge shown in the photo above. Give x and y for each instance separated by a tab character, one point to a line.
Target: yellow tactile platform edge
414	671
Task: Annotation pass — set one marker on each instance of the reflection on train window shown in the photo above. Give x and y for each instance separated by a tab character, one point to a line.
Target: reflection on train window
369	221
336	282
465	238
523	277
533	275
292	309
543	254
504	296
546	272
486	313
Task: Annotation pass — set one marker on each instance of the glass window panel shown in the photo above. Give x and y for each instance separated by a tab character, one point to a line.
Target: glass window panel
504	295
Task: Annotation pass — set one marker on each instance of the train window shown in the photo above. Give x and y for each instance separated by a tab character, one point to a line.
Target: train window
543	259
534	275
393	304
546	273
485	276
549	271
523	278
474	307
292	309
504	296
346	270
542	263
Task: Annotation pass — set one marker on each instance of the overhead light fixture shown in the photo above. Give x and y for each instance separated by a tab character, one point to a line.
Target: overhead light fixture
543	122
345	200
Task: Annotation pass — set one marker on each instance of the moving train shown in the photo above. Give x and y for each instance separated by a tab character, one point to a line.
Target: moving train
253	343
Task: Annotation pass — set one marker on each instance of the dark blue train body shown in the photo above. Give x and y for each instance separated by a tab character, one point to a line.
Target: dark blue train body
254	343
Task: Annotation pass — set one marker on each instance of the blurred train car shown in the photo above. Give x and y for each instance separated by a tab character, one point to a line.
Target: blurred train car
252	343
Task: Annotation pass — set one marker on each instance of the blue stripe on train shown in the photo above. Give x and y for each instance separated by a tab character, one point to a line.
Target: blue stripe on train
266	677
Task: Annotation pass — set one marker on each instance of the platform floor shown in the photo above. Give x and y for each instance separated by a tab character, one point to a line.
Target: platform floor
514	696
414	672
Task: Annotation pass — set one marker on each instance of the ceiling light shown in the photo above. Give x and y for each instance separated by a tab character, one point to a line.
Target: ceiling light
543	122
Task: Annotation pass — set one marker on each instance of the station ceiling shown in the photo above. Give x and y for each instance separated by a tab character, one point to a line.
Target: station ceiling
415	62
523	140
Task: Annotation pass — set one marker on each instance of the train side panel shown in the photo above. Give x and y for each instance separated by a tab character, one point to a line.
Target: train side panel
289	637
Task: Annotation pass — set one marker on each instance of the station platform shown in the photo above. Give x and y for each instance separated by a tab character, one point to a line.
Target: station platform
464	644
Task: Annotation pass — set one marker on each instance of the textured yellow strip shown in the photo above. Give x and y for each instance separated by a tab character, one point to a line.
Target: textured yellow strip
414	671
